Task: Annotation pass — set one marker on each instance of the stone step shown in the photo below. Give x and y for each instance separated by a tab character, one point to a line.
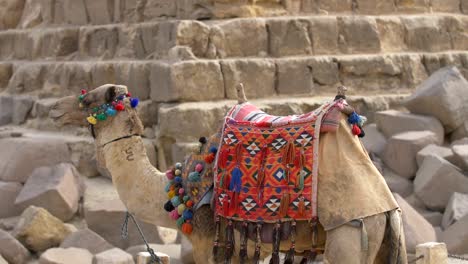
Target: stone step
176	132
204	80
33	13
248	37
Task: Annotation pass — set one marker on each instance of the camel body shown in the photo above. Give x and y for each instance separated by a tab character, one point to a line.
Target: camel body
350	190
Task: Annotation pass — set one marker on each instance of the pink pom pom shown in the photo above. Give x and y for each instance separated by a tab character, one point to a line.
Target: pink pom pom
199	167
181	191
174	214
170	174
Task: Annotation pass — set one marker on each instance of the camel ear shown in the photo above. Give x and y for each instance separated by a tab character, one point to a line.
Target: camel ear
110	94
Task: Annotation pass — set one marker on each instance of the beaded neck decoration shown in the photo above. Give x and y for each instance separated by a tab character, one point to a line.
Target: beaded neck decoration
100	113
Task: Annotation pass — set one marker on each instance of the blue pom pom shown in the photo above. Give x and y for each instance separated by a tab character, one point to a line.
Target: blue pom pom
178	179
175	201
187	215
213	150
354	118
168	186
134	102
110	111
120	97
194	176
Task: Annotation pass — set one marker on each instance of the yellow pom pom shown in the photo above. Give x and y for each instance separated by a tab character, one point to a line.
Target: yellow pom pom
171	194
177	172
180	209
92	120
81	105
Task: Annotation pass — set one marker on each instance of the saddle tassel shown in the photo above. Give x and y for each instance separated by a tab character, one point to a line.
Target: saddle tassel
276	244
216	238
300	182
261	171
288	158
243	245
229	242
292	250
258	241
301	206
284	204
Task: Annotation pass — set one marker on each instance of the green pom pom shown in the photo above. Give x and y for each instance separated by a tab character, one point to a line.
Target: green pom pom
95	109
180	222
101	116
81	97
186	198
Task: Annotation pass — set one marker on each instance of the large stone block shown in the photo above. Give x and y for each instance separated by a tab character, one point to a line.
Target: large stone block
374	141
75	12
5	74
412	6
6	110
436	180
99	12
157	9
104	213
295	76
86	239
21	108
27	77
397	184
461	155
424	34
38	230
432	149
57	189
66	256
193	34
114	256
447	6
135	75
325	71
172	250
257	75
456	209
240	38
392	34
8	193
444	96
432	253
358	35
10	13
456	237
12	250
401	149
57	43
186	81
20	156
375	7
417	229
324	31
393	122
433	217
288	37
99	42
36	12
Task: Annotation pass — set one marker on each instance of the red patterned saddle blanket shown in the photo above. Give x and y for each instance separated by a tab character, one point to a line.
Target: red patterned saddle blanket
266	166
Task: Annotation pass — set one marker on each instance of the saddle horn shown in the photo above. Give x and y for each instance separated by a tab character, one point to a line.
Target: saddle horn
241	98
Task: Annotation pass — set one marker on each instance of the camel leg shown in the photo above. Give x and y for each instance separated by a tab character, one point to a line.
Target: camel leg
344	243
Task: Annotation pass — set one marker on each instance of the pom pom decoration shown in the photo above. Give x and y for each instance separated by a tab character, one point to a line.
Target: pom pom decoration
168	187
213	150
199	167
170	174
188	214
202	140
362	134
186	198
236	182
362	120
111	111
209	158
354	118
178	179
181	191
129	94
134	102
101	117
178	165
92	120
168	206
189	204
119	106
194	176
171	194
180	222
175	201
187	228
181	209
174	214
177	172
83	91
356	130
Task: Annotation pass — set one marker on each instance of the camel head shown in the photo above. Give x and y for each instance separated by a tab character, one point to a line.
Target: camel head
108	110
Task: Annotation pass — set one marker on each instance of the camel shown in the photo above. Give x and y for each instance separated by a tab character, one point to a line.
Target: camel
360	221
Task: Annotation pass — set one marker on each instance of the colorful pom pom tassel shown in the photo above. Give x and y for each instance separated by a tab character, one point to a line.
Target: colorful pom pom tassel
199	167
170	174
178	165
174	214
101	117
92	120
178	179
209	158
236	182
186	198
181	209
180	222
353	118
111	111
188	214
119	106
175	201
189	204
168	206
194	176
171	194
356	130
181	191
213	150
134	102
187	228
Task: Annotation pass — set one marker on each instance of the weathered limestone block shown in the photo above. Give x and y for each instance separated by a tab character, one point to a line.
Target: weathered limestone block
432	149
433	217
400	152
6	109
66	256
99	42
9	223
56	43
334	6
56	189
36	12
413	72
325	71
75	12
99	12
288	37
27	78
417	229
456	209
83	155
21	107
114	256
172	250
424	34
22	155
415	202
375	7
10	13
145	257
461	154
86	239
193	34
104	213
374	141
294	76
456	237
397	184
180	150
358	35
135	76
157	9
456	27
432	253
412	6
8	193
12	250
148	112
324	31
392	33
460	132
447	6
257	75
240	38
186	81
38	230
392	122
2	260
444	96
61	78
436	180
5	74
